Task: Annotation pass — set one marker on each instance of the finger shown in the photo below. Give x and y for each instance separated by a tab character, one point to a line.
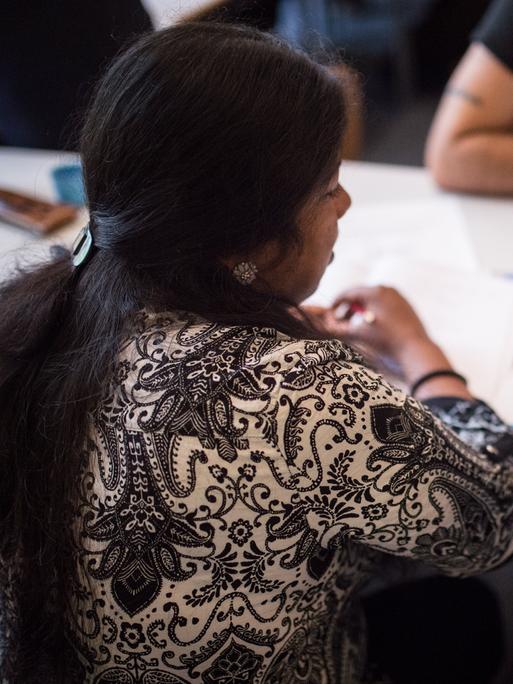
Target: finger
345	308
349	325
342	311
340	331
354	294
311	310
354	310
360	318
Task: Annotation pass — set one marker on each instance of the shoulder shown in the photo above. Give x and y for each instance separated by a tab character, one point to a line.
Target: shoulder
177	359
175	339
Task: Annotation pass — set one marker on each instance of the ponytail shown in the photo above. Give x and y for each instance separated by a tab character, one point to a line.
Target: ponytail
59	333
31	303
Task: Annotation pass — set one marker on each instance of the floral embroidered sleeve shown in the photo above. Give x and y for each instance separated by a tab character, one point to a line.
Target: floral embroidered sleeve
371	464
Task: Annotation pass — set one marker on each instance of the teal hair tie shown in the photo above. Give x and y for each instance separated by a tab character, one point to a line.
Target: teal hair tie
83	247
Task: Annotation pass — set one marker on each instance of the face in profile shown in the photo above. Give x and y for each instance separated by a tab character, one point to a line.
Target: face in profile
295	274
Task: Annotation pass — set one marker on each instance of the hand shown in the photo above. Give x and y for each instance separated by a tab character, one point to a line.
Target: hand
396	340
317	315
396	328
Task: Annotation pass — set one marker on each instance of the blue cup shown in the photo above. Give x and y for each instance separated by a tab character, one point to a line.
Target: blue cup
69	185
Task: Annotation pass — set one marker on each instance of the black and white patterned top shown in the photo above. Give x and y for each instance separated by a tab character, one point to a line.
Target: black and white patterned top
242	485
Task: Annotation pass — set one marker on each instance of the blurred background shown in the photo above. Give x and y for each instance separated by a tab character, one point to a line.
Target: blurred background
400	54
403	52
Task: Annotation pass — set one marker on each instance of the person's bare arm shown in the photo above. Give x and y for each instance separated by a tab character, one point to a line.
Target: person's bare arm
470	145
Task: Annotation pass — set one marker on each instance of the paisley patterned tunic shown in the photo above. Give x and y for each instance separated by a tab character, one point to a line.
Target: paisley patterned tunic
242	485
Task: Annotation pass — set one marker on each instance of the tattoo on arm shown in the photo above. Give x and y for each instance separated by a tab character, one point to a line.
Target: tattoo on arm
459	92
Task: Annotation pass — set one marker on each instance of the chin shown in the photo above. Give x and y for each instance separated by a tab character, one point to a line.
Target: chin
309	292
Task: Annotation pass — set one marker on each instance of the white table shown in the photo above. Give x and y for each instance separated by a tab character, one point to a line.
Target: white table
489	220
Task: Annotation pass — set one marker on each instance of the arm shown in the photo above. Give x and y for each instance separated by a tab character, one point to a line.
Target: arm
371	465
470	144
396	335
389	459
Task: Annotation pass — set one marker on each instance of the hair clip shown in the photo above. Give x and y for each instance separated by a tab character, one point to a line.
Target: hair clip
82	247
245	272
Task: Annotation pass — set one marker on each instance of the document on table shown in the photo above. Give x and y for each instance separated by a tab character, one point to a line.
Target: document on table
433	230
466	311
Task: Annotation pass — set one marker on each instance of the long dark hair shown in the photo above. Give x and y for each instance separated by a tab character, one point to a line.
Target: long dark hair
201	141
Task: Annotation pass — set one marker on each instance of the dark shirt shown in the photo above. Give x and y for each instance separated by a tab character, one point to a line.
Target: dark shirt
495	31
51	54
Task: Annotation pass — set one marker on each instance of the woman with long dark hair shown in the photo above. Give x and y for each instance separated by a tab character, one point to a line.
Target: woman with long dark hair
196	477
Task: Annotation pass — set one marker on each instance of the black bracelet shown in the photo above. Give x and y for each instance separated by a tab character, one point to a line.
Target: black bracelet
436	374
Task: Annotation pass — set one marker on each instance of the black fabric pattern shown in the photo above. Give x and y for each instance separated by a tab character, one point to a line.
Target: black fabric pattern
240	487
476	424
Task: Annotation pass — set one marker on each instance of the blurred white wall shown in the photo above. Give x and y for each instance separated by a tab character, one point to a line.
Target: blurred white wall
165	12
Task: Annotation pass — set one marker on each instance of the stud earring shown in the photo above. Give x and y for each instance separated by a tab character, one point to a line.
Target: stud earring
245	272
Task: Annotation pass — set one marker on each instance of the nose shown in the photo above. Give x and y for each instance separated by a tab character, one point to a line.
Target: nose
343	202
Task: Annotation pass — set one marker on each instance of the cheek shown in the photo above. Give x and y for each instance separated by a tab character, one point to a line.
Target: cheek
323	239
330	235
321	249
319	237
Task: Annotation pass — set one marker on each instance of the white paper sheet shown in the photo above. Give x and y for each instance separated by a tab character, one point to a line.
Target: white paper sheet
433	230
